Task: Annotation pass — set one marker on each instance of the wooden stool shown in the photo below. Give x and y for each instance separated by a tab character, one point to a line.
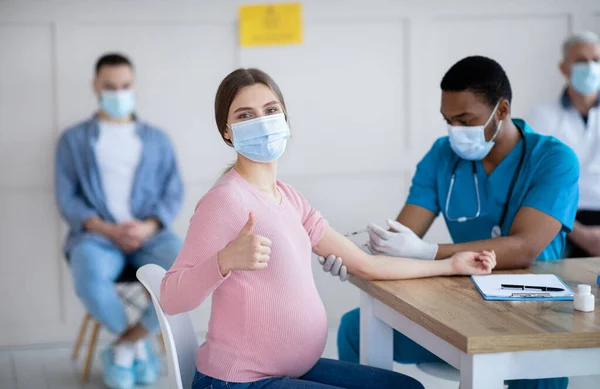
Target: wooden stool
125	282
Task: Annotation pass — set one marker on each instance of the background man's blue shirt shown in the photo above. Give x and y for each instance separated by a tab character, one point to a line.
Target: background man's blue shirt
157	188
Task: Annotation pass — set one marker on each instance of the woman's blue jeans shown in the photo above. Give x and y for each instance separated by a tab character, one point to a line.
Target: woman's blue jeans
326	374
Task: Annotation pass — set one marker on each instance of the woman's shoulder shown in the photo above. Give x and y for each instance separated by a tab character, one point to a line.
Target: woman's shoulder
225	194
286	188
295	197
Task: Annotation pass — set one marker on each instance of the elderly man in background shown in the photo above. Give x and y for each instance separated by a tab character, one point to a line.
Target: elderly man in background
574	118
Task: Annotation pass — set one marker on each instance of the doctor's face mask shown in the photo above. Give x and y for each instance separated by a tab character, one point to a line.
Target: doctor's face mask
472	129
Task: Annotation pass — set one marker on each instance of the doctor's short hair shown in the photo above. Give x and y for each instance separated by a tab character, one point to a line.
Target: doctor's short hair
480	75
579	37
112	59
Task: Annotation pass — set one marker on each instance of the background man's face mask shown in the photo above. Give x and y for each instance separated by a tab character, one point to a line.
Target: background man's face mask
118	104
468	142
262	139
585	77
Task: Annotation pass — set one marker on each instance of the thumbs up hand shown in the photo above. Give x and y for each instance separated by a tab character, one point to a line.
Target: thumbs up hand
246	252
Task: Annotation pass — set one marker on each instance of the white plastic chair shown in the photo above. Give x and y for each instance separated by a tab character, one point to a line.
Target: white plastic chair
177	330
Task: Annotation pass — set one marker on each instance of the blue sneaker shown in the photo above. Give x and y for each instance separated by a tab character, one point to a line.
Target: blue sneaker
146	372
116	377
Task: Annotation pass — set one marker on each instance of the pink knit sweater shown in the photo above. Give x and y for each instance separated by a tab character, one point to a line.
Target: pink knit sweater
265	323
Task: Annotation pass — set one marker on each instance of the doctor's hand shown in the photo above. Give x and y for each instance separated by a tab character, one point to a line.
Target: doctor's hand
246	252
401	241
335	265
472	263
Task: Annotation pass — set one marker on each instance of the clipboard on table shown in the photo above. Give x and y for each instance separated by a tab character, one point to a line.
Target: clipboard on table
490	287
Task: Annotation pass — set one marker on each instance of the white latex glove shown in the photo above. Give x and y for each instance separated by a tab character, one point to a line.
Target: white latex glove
401	241
335	265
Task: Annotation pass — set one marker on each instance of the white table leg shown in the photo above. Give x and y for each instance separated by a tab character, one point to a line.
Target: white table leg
376	337
480	371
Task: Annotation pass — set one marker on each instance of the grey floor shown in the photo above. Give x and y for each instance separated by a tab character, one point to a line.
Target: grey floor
51	367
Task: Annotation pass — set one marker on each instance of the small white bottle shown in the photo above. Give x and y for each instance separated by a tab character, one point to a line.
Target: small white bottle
583	299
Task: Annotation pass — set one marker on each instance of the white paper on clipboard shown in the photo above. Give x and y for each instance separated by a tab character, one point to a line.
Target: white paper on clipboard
490	287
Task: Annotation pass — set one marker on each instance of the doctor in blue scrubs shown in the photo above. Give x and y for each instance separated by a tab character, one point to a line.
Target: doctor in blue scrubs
499	186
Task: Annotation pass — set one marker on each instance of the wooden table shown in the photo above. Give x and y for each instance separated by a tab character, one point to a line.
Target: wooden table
488	341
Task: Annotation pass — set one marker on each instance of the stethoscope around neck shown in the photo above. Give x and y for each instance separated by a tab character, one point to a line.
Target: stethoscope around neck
497	229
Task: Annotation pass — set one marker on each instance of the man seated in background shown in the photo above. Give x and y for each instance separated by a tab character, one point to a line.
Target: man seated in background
118	187
574	118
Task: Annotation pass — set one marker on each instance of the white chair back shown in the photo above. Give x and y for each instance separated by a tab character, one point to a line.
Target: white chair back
177	331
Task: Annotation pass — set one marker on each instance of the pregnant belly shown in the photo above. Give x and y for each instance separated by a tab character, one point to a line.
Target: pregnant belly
272	329
288	339
295	334
290	345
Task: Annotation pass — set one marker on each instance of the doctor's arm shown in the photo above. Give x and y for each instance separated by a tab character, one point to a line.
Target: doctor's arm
378	267
531	232
417	218
550	205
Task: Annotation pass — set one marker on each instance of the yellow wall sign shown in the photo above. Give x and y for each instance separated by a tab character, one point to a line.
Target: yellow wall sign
270	24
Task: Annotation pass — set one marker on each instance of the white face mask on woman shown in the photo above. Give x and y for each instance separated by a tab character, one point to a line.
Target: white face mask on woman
262	139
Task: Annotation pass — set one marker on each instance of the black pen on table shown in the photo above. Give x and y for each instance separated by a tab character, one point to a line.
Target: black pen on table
523	287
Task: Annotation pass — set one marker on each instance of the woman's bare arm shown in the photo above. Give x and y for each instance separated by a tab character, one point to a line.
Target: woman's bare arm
376	267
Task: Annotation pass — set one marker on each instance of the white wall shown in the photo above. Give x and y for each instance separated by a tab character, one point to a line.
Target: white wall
362	92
